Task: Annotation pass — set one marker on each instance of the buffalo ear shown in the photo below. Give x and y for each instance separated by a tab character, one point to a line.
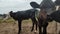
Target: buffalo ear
11	11
34	5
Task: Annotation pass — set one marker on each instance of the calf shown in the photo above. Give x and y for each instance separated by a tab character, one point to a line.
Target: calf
23	15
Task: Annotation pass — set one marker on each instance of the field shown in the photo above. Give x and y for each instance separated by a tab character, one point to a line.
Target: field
10	26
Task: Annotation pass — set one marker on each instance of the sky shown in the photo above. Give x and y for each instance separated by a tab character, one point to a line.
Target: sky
15	5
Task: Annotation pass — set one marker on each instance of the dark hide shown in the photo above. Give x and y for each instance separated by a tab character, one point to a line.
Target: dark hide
55	16
23	15
57	2
43	23
34	5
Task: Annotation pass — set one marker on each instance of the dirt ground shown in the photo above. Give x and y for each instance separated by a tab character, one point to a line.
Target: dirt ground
12	28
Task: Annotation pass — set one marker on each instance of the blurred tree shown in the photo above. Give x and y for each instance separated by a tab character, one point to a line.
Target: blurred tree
57	2
47	4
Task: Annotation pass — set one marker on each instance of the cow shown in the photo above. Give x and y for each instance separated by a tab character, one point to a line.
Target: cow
24	15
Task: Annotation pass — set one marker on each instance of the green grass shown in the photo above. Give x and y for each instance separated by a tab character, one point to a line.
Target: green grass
9	20
1	20
27	21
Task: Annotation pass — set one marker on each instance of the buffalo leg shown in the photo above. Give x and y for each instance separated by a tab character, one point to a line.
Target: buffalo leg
34	23
40	30
32	27
19	26
45	28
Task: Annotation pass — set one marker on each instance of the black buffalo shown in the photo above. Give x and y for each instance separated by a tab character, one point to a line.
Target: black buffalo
55	16
23	15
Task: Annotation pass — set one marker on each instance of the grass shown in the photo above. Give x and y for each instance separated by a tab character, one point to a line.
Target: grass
9	20
9	26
